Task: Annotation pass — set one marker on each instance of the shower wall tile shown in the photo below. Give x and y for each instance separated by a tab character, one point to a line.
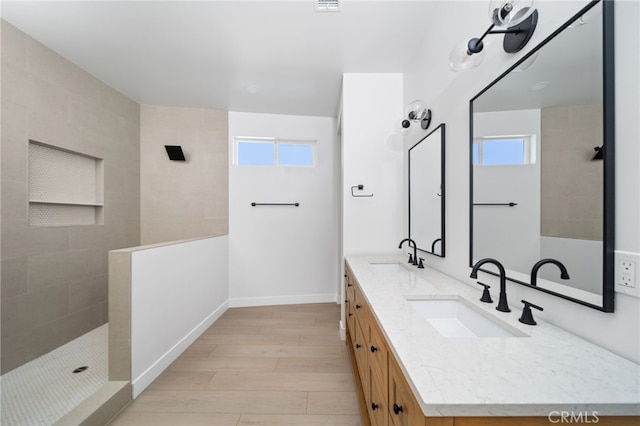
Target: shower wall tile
14	129
189	199
87	293
14	277
54	279
48	335
47	269
14	49
571	207
120	314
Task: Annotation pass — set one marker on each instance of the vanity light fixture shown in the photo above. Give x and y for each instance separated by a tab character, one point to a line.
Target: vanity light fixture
416	112
516	19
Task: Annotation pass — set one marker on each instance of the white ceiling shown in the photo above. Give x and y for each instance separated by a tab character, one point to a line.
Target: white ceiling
206	54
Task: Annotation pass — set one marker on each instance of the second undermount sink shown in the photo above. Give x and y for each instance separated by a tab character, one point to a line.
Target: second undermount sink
388	268
458	318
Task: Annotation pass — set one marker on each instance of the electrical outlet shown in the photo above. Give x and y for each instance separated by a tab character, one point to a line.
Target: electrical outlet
625	274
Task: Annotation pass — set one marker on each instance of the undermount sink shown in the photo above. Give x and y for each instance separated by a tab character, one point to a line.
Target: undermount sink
388	268
457	318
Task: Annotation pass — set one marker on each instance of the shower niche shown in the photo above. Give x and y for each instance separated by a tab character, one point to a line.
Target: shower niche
66	188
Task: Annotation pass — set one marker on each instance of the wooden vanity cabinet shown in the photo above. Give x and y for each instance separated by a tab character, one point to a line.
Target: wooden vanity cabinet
370	356
381	382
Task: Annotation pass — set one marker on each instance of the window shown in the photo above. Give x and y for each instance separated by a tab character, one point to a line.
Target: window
271	152
256	153
503	151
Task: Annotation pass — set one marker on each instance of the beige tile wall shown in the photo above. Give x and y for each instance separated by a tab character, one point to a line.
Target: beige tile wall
571	183
54	279
189	199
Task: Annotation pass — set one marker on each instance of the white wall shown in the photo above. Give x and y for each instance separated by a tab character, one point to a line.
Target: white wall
497	228
448	94
370	106
177	292
281	255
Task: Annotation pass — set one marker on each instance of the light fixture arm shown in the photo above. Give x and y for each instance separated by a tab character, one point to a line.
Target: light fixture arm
521	33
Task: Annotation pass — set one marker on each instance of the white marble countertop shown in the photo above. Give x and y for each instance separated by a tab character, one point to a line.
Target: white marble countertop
548	370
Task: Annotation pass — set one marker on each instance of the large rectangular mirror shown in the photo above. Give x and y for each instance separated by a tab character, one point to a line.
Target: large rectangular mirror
426	192
542	161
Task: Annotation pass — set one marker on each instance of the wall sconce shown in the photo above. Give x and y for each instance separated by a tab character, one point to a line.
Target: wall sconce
416	112
519	17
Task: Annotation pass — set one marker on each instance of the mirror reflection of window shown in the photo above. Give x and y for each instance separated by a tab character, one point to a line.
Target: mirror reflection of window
503	151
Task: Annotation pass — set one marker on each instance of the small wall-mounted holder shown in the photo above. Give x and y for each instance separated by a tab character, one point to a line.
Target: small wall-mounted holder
359	188
175	152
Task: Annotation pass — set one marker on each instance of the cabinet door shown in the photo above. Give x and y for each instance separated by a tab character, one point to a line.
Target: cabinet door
377	405
349	308
360	306
377	350
359	348
403	408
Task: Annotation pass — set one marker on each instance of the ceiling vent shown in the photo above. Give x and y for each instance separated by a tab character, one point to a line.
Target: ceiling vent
327	5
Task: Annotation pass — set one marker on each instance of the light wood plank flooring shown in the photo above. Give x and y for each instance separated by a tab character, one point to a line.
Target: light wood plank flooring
272	365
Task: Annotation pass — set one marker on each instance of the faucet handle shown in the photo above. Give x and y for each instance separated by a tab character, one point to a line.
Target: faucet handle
486	296
527	315
410	258
420	265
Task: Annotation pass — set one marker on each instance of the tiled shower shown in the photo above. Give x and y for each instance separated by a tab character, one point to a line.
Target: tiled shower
62	130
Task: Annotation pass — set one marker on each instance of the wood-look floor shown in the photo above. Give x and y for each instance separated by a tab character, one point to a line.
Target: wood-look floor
273	365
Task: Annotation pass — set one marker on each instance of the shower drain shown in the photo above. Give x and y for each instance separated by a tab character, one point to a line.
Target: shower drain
80	369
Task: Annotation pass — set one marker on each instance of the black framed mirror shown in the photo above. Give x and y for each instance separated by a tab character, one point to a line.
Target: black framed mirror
542	163
427	192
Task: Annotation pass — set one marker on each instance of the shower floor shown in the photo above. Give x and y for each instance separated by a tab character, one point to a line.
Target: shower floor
45	389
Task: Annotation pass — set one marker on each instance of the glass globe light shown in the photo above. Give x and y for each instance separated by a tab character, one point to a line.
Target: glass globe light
401	126
416	110
507	13
461	59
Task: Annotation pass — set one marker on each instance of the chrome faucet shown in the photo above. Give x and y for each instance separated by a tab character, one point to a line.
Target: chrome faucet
534	271
503	306
414	259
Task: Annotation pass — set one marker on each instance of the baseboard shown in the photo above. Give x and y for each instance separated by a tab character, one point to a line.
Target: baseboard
343	331
281	300
141	382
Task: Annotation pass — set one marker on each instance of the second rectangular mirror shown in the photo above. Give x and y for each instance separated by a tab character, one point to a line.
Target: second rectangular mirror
426	192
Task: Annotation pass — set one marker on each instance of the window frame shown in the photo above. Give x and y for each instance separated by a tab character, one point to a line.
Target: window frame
276	142
529	142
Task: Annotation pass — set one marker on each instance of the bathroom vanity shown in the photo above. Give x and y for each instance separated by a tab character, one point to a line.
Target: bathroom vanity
413	368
